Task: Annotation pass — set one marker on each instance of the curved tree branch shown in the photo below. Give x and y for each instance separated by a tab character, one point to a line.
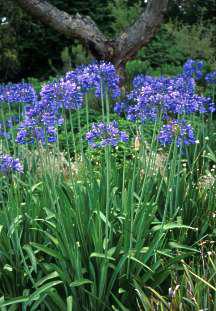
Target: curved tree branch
141	32
81	27
119	50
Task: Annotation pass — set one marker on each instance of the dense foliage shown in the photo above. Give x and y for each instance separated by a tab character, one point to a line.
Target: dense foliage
107	197
107	211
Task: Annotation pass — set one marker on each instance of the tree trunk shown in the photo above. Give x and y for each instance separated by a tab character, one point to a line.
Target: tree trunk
118	50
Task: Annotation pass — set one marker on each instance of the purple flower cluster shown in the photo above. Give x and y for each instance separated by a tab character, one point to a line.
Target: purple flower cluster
154	96
151	98
8	165
178	131
144	100
168	98
211	77
144	80
102	135
43	117
62	94
193	69
17	93
182	99
97	77
40	124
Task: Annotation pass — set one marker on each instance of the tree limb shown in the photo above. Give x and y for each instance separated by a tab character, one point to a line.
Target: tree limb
82	27
141	32
119	50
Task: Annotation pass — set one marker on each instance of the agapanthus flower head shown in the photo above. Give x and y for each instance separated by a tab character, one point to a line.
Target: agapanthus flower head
44	116
147	105
72	96
105	134
211	77
144	102
25	135
158	83
139	81
180	97
17	93
193	68
9	165
62	94
40	123
178	131
182	84
42	129
162	97
98	77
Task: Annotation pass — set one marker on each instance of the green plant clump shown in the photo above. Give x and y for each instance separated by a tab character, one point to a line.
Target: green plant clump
124	227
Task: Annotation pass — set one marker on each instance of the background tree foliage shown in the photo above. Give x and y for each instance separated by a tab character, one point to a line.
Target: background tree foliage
28	48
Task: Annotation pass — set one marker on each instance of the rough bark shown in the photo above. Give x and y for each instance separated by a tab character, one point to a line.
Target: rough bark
141	32
72	26
119	50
